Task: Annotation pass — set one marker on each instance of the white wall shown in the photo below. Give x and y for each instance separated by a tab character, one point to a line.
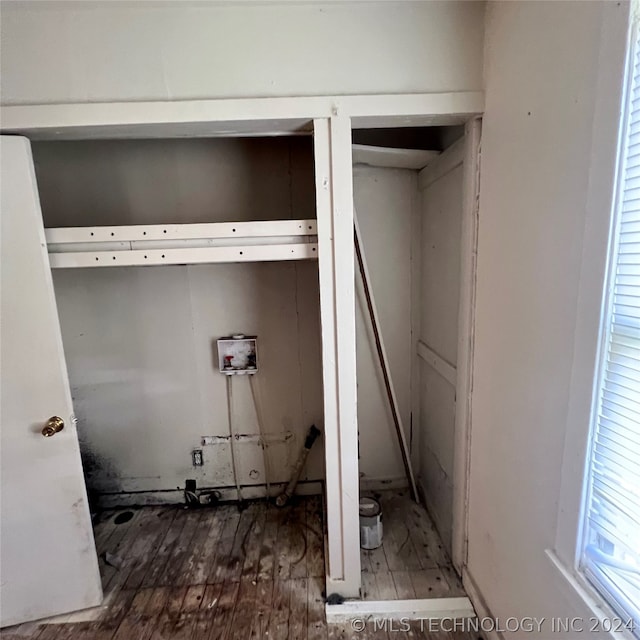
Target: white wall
118	51
441	204
140	342
385	200
541	72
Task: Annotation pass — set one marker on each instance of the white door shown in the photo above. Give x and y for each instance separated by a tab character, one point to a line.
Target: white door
48	561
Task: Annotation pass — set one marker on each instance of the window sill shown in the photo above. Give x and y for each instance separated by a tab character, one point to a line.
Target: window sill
598	607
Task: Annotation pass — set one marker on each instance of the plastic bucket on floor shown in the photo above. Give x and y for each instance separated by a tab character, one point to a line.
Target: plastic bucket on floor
370	523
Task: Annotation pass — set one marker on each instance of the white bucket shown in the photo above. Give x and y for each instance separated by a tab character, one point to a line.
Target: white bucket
370	523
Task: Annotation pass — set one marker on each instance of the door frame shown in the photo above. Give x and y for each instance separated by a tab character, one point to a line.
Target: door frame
466	337
464	153
330	119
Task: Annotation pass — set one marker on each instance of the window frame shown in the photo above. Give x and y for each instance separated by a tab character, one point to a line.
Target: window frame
614	68
600	584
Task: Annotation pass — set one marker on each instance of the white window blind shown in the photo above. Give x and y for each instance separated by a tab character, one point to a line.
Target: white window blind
611	549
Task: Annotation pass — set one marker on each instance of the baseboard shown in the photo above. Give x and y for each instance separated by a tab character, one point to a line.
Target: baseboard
227	494
479	604
435	609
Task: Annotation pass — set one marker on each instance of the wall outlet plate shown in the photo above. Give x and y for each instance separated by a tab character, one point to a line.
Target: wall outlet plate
196	456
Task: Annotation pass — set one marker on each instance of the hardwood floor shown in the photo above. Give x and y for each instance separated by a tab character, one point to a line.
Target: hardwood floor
412	561
228	574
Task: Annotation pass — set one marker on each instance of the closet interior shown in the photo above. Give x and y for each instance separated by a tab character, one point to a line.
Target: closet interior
408	193
160	248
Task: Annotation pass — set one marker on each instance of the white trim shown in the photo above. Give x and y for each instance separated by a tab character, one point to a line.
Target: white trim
334	204
321	147
147	232
191	255
417	609
589	596
437	363
447	161
228	117
141	245
344	272
466	336
124	245
416	319
392	158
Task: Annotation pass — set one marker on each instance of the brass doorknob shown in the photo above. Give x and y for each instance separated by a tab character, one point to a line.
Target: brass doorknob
53	426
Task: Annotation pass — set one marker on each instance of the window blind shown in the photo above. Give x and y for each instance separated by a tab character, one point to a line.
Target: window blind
611	555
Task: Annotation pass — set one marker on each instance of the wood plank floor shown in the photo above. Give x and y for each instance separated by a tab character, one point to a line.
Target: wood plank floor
412	561
228	574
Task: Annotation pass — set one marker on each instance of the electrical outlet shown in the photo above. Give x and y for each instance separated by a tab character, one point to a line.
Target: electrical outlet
196	456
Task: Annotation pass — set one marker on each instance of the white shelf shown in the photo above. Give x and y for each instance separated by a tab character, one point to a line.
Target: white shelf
392	158
140	245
